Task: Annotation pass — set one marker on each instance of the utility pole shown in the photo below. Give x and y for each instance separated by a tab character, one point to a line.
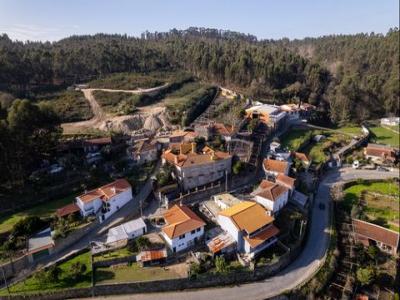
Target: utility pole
5	280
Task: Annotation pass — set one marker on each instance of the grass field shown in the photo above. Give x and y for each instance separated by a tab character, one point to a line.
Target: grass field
352	130
70	106
384	136
32	284
42	210
122	252
377	207
133	273
296	140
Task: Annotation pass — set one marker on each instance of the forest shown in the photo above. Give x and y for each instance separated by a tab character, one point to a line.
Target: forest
349	77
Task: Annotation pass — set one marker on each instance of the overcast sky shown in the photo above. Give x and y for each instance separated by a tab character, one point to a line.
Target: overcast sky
55	19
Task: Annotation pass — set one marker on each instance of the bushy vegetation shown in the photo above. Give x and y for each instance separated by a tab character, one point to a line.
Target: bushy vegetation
73	273
130	81
119	103
70	106
183	107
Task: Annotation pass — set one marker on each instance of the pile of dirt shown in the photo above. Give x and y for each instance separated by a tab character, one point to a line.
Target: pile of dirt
125	124
152	123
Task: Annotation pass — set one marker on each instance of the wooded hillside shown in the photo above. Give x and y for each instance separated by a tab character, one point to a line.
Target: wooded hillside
349	77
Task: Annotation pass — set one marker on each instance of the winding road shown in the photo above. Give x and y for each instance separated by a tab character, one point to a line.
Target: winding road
301	270
99	116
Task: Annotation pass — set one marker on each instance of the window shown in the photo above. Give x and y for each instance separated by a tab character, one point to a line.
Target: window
182	236
193	231
198	229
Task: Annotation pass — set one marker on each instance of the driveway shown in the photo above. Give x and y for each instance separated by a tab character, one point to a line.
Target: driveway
296	273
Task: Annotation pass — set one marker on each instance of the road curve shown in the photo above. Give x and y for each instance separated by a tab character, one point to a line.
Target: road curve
98	114
296	273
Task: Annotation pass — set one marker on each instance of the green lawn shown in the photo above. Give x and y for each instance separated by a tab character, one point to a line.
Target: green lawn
122	252
31	284
384	136
378	207
132	273
352	130
295	138
42	210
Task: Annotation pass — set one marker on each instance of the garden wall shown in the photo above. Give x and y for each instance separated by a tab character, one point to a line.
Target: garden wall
202	281
10	269
114	261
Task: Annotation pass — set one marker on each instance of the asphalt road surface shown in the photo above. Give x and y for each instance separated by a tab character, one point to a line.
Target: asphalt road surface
296	273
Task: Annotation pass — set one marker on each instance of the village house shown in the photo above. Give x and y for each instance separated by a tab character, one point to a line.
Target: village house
271	115
273	196
183	228
143	151
296	112
225	200
380	153
213	129
152	257
286	181
94	145
273	167
393	121
180	136
193	168
126	231
106	200
305	160
220	242
250	226
370	234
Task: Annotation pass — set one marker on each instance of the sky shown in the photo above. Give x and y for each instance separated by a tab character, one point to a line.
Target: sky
269	19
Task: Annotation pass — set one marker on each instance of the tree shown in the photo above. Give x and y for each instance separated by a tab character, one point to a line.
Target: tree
28	226
53	273
143	243
77	270
365	275
238	167
221	265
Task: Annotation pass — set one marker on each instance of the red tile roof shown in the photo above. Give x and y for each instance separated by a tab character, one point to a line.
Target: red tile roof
275	165
151	255
107	191
67	210
285	180
180	220
271	191
376	233
262	236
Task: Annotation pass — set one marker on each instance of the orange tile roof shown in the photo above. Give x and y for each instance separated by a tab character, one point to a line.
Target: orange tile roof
180	220
98	141
220	242
223	129
262	236
248	216
189	159
67	210
285	180
275	165
272	190
151	255
380	151
107	191
301	156
376	233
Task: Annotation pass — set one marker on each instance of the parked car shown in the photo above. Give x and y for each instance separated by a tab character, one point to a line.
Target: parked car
382	169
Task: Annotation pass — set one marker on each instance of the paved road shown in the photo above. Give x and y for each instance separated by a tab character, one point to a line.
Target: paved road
296	273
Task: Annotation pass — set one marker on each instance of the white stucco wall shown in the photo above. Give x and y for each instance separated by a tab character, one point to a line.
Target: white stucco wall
276	205
88	208
187	241
227	224
116	203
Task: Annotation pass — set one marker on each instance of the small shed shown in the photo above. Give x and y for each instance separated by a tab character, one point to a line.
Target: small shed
152	257
67	210
40	245
126	231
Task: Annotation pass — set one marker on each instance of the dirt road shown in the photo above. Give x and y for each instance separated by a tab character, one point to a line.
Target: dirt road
99	116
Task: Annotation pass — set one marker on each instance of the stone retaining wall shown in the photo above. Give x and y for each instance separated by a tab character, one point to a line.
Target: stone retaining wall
114	261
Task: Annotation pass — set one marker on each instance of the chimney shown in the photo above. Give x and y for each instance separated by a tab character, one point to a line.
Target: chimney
193	148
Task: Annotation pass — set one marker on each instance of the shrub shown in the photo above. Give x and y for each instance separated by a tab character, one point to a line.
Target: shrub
77	270
221	265
365	275
28	226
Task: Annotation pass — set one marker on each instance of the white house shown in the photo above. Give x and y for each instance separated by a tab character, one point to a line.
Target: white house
273	167
273	196
393	121
250	226
106	200
126	231
225	200
183	228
